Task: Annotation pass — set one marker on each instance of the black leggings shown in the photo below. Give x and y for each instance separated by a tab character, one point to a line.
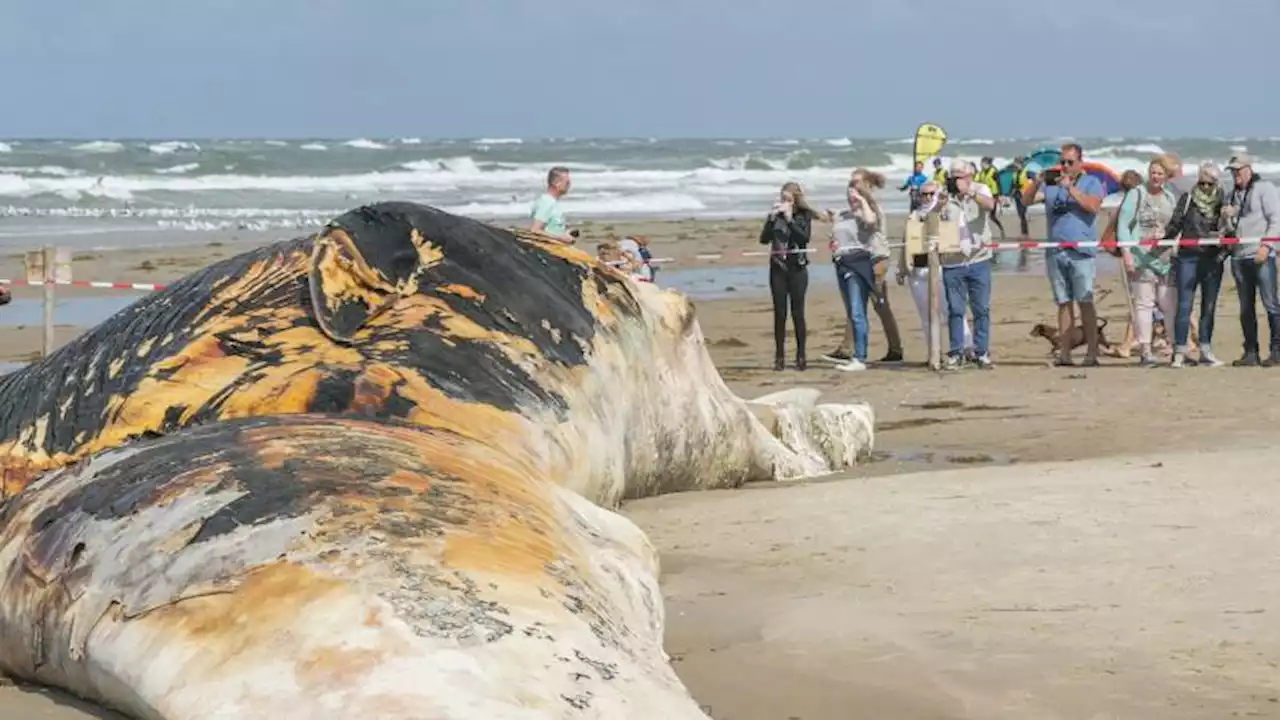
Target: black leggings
788	283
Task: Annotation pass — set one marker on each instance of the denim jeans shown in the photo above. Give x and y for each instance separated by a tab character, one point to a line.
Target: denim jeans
855	290
1255	279
1201	270
968	286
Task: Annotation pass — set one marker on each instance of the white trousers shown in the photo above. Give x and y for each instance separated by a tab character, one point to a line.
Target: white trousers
918	282
1147	296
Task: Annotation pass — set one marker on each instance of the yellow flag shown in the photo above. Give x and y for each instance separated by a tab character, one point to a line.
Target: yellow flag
929	141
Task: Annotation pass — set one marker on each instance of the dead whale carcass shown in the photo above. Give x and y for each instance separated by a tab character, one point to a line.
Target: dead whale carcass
402	311
316	567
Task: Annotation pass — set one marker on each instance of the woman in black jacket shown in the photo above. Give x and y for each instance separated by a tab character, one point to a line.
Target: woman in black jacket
1198	215
786	232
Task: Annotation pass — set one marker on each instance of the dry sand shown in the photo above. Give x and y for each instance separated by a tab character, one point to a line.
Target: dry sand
1130	577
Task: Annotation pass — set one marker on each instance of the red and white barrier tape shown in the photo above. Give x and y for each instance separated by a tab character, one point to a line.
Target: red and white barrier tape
1019	245
88	284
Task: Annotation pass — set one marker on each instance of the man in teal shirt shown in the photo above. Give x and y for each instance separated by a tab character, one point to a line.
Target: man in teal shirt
547	216
1071	206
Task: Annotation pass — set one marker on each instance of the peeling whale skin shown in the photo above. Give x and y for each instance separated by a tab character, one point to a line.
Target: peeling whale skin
401	311
318	567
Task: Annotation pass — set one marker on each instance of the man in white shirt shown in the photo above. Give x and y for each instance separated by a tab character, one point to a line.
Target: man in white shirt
966	275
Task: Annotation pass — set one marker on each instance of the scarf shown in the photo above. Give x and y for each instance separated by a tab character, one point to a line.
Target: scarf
1207	202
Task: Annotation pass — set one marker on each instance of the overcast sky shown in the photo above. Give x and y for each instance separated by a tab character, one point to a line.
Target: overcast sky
666	68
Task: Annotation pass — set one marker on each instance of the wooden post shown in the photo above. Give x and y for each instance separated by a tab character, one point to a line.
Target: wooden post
935	284
49	300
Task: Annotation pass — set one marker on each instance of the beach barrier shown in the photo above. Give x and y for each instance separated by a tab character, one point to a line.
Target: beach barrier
1024	244
101	285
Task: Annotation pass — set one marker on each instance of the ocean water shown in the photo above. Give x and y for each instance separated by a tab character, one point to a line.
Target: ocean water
79	188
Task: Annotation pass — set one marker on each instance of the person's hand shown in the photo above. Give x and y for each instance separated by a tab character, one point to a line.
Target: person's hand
1066	181
1229	212
879	270
1261	256
901	276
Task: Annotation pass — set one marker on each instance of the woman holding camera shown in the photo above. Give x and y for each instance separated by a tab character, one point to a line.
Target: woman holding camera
786	231
858	245
1144	215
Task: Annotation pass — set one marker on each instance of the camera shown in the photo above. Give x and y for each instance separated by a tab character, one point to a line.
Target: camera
1051	176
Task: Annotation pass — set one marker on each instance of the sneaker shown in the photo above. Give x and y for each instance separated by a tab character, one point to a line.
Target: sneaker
838	356
953	362
1273	360
854	365
1208	358
892	356
1147	361
1249	360
984	362
1178	361
1090	361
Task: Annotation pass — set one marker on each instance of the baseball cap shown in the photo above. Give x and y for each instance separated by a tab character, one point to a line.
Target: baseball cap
1240	161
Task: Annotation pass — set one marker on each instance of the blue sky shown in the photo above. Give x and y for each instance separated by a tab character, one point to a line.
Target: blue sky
666	68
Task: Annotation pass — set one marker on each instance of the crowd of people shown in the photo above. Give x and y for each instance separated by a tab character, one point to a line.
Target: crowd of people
1162	282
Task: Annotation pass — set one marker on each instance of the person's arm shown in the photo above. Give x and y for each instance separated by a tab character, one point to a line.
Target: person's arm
982	195
1270	198
800	225
1029	191
1179	219
1088	197
1124	220
541	214
766	231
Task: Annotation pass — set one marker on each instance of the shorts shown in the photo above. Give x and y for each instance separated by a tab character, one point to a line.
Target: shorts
1070	275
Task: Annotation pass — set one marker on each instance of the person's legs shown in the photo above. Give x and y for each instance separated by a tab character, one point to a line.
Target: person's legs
1209	272
888	322
1245	272
918	284
1055	266
859	294
1022	214
797	287
979	287
1271	306
778	289
1167	300
1083	270
1144	303
953	281
1186	276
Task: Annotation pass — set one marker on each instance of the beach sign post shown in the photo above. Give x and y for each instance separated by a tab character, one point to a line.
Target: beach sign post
933	235
47	267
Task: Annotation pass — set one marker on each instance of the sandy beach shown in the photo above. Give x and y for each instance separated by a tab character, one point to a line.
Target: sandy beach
1031	542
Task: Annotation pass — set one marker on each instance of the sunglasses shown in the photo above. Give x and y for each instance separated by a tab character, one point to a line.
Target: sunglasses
927	194
1069	163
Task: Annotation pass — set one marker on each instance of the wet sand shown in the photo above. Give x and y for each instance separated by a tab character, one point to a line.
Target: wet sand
1029	542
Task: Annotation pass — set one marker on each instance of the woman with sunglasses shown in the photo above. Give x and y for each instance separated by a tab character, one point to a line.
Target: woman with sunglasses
1198	215
1144	215
914	272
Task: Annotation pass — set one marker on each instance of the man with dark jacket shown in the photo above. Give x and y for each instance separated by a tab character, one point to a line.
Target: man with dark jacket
1252	213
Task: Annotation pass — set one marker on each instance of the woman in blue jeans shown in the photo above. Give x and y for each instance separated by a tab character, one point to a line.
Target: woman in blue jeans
1198	214
856	234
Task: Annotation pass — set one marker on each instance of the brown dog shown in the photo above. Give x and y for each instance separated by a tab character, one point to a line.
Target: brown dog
1050	333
